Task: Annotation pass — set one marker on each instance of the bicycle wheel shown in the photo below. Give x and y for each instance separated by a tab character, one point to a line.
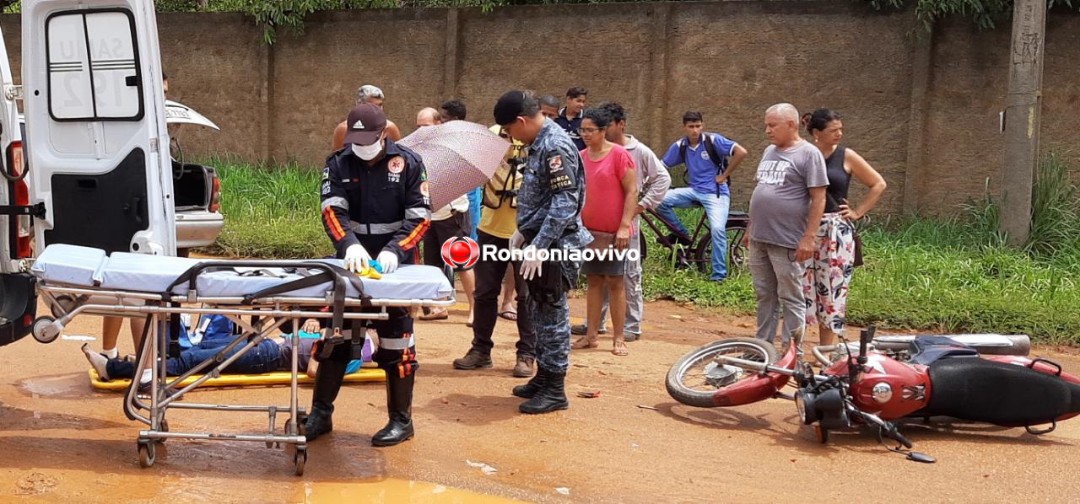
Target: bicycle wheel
703	254
695	378
738	254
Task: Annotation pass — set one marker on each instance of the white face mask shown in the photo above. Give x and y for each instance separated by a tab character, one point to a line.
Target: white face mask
367	152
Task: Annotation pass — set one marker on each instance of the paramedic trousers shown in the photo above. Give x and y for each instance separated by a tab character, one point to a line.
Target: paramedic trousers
396	356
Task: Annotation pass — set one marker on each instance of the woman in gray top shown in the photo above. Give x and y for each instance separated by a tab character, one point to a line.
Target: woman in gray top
831	268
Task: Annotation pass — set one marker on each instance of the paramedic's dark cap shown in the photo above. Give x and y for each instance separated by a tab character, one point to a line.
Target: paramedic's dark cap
365	124
510	106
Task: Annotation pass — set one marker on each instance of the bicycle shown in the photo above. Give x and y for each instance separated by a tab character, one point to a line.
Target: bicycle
696	249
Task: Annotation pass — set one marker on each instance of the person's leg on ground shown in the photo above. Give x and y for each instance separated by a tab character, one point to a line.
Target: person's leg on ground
468	284
488	274
765	290
716	208
552	315
137	326
526	344
433	240
397	357
110	332
789	290
635	301
594	296
508	297
616	285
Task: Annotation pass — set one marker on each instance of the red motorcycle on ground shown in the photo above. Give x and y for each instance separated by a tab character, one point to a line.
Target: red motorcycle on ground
979	378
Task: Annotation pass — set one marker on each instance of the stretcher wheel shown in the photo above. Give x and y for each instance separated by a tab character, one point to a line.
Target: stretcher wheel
299	459
41	330
164	428
146	453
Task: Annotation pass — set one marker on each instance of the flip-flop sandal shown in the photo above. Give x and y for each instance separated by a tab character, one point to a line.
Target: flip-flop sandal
508	315
583	343
620	349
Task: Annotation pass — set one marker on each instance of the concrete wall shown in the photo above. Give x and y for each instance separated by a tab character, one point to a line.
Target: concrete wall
923	111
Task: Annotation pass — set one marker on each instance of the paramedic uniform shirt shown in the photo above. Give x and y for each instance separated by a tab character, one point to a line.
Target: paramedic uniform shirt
382	207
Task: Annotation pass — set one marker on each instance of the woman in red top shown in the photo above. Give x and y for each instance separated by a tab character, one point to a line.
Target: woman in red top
610	202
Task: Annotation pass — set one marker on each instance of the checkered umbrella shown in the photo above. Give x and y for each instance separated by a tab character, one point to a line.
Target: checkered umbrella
460	156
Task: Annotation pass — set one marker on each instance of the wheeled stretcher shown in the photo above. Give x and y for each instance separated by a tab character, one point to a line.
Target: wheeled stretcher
258	296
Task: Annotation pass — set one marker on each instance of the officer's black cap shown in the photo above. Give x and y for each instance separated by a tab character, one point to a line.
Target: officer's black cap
510	106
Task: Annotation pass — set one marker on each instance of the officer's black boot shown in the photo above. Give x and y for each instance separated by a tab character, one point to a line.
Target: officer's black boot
528	390
328	381
399	404
550	397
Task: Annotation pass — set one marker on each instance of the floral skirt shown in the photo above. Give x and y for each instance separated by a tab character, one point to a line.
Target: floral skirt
829	273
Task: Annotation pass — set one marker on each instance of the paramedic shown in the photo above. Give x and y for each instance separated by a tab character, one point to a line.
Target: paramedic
375	204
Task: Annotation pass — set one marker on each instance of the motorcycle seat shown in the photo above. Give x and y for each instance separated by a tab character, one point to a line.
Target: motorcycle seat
926	350
1002	394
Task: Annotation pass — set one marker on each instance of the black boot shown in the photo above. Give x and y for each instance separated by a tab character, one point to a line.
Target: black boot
528	390
550	397
328	381
399	404
318	422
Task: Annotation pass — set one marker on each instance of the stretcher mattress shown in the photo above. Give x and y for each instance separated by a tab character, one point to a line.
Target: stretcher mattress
362	375
90	268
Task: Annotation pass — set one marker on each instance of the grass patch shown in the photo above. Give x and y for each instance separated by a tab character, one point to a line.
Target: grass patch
270	212
954	275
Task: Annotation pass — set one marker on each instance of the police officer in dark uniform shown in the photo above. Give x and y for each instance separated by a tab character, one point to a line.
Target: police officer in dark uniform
375	200
549	206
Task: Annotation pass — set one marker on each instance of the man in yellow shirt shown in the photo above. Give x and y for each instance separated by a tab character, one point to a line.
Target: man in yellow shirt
498	222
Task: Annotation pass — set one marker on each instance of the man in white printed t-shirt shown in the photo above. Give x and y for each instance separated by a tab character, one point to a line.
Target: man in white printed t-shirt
785	211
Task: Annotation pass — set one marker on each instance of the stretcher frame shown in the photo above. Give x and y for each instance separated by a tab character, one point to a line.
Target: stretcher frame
267	315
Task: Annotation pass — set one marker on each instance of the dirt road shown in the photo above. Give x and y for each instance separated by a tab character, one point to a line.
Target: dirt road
62	442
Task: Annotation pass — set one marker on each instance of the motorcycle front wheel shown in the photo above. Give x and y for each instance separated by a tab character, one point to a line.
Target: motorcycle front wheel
695	378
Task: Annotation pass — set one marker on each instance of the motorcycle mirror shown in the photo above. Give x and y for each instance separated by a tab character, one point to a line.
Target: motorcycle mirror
921	457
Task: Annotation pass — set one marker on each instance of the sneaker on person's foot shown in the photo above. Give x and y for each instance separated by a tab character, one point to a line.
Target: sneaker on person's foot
98	361
583	329
524	367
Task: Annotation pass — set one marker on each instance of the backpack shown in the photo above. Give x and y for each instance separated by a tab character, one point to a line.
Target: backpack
710	149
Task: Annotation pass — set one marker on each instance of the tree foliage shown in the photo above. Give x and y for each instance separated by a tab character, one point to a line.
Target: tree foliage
273	15
986	14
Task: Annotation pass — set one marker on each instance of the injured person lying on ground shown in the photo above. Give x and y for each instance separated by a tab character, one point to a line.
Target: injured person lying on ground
270	355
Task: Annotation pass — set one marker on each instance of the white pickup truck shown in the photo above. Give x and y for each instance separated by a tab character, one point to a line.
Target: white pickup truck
92	169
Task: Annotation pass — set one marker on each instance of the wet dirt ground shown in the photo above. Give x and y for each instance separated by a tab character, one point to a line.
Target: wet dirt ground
60	441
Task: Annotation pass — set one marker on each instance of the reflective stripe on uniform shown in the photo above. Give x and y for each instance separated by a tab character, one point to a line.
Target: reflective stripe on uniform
333	224
377	228
336	201
397	343
417	213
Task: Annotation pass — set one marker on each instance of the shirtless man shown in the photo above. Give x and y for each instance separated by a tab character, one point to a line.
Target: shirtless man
366	94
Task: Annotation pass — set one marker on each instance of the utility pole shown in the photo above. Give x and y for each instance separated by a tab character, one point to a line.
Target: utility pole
1022	111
